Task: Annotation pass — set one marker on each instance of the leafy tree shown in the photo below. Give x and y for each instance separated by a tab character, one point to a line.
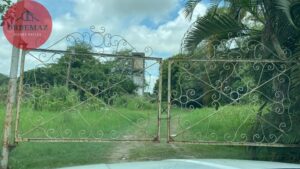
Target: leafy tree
268	21
273	23
188	81
3	88
3	79
89	75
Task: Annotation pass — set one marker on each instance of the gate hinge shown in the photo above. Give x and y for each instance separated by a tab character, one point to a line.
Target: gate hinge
12	146
156	139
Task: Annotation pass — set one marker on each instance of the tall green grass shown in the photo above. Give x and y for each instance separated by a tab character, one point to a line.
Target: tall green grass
229	123
105	123
127	123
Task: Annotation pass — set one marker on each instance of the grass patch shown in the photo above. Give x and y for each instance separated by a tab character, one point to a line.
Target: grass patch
128	123
105	123
185	151
229	123
53	155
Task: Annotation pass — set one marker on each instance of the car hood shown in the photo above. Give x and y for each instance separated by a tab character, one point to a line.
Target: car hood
193	164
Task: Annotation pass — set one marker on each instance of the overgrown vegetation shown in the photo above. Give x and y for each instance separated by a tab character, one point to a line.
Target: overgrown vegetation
52	155
273	24
60	98
53	99
89	95
3	79
86	74
3	88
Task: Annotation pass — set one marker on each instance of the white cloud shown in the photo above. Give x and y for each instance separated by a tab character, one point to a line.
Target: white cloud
117	12
121	17
5	54
110	14
124	17
167	37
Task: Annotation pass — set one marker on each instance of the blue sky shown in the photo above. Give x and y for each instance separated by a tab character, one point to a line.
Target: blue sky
58	8
158	24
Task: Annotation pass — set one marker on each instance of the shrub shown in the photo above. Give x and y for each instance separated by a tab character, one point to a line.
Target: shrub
93	103
134	102
52	99
3	94
36	98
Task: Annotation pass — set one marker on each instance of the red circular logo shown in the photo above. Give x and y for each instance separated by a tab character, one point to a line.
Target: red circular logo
27	24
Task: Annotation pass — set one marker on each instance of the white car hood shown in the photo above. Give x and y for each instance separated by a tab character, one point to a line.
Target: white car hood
194	164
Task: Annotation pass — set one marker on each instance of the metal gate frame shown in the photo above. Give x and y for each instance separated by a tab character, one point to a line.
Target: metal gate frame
171	138
10	140
18	139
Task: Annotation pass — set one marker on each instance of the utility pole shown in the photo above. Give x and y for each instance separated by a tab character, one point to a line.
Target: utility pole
11	99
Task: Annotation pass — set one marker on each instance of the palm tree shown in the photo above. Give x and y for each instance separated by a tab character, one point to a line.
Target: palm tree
276	23
269	21
273	23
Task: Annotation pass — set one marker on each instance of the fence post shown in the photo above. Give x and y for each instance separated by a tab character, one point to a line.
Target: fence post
159	99
11	98
169	100
20	94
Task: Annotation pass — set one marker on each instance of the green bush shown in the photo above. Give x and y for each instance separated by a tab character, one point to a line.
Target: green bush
93	103
52	99
3	94
61	97
37	98
134	102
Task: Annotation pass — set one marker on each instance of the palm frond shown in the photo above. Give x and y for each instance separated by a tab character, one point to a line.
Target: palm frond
286	7
192	4
239	8
208	26
189	8
295	74
212	11
245	3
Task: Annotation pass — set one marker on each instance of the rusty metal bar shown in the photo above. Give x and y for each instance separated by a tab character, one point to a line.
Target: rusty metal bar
249	144
76	105
169	100
19	99
82	140
234	60
78	140
11	98
159	100
95	54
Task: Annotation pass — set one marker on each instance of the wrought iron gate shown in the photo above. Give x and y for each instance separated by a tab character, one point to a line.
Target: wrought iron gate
218	100
231	99
58	101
